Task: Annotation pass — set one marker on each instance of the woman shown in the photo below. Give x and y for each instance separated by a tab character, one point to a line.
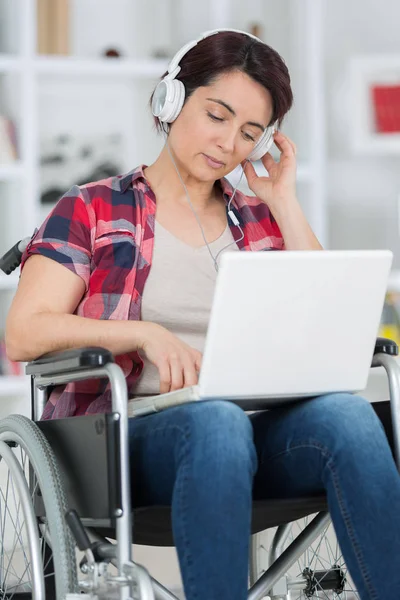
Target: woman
139	281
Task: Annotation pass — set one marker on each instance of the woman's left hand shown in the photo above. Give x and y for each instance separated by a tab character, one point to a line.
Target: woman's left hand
280	186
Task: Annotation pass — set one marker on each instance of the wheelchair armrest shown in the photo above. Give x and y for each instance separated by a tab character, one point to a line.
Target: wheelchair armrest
69	360
385	346
89	358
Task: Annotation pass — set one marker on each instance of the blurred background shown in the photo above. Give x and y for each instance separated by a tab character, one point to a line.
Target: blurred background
75	81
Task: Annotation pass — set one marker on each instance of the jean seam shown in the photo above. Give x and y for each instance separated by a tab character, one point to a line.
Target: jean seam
179	492
181	497
345	515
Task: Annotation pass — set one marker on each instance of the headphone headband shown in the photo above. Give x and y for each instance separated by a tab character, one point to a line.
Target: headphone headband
169	95
174	63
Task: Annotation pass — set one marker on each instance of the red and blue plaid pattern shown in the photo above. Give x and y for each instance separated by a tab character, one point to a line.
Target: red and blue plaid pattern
104	232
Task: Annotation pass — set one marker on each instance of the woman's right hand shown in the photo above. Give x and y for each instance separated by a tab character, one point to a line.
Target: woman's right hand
178	363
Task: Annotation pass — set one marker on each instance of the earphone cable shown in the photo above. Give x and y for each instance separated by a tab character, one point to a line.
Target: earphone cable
213	258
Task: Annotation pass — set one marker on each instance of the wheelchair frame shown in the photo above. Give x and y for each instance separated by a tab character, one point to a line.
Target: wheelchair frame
71	366
64	367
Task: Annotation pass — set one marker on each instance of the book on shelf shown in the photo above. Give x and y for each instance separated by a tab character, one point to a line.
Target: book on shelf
8	141
53	26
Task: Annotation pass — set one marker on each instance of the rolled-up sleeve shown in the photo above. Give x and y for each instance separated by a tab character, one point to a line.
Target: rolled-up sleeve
65	235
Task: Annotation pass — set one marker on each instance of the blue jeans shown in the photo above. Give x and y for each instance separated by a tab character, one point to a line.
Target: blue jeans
208	460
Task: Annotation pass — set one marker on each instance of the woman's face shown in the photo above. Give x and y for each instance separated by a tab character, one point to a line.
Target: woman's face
220	124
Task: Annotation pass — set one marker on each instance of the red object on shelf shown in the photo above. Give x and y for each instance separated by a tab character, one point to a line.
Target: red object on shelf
386	101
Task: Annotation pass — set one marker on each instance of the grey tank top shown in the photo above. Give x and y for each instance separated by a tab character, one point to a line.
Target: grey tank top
178	293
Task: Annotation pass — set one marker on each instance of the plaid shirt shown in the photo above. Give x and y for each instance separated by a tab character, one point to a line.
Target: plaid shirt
104	232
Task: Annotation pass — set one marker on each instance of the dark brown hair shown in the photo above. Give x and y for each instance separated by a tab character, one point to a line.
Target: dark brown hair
231	51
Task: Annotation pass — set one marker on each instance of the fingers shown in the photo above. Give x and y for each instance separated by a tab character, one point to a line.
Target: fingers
176	367
179	370
189	372
285	144
249	171
198	361
191	364
165	376
269	163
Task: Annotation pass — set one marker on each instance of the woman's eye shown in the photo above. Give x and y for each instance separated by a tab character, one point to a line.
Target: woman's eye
247	136
213	117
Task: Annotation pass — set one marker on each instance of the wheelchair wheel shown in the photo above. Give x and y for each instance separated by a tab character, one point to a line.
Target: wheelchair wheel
37	556
319	572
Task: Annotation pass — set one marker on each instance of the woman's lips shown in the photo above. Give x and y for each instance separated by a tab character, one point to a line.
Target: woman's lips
212	162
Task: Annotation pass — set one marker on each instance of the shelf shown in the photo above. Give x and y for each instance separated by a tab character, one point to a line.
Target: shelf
11	171
76	66
14	386
10	64
378	144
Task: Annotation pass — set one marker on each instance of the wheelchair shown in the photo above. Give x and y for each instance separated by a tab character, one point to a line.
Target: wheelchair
65	506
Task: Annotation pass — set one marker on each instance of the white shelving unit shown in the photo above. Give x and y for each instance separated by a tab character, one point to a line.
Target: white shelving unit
27	70
307	20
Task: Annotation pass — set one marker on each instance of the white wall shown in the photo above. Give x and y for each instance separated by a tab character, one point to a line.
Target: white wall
363	191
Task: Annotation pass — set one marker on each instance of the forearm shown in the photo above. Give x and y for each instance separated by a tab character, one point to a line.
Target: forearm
295	229
48	332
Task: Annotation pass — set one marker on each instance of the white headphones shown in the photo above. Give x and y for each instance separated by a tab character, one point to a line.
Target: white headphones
169	95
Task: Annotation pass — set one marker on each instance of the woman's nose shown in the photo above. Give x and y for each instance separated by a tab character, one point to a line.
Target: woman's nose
227	141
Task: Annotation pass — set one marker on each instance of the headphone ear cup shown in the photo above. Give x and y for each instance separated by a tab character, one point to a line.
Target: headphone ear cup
178	101
263	145
168	100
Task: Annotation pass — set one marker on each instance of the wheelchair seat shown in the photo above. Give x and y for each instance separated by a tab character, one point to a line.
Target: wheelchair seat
87	449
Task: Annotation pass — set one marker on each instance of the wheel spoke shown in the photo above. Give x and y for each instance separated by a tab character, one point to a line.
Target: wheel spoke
328	544
17	520
16	574
27	458
15	526
309	562
323	557
4	525
17	585
17	534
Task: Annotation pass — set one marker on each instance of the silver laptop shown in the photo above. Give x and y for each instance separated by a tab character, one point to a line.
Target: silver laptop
287	325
